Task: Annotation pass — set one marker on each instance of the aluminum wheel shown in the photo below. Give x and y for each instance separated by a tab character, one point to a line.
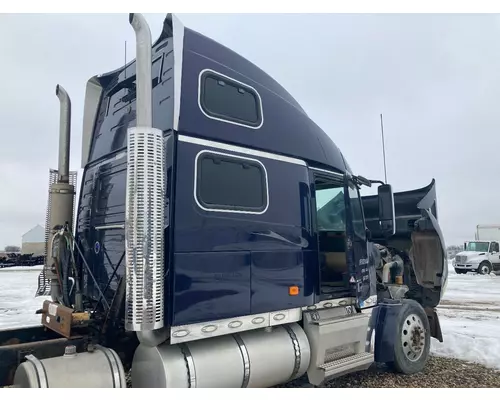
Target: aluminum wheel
413	337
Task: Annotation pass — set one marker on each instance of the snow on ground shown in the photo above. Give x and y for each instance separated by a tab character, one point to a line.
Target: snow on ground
470	319
18	303
469	312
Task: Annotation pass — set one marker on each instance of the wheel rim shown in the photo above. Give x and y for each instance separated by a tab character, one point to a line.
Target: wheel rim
485	269
413	337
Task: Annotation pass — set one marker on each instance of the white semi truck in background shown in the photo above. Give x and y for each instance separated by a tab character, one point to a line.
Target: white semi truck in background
481	255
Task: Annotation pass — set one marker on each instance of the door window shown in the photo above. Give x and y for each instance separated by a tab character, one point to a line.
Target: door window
330	207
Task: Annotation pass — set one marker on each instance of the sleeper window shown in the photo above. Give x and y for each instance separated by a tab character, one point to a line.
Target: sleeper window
225	99
231	184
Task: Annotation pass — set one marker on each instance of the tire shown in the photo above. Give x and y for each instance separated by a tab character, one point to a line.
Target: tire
460	271
484	268
413	339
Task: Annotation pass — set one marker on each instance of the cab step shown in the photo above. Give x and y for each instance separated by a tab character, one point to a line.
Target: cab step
356	362
337	337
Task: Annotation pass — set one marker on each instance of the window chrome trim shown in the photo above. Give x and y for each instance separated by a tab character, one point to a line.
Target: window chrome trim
261	108
325	171
236	211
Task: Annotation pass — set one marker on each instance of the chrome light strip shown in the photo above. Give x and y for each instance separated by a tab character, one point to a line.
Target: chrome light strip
192	332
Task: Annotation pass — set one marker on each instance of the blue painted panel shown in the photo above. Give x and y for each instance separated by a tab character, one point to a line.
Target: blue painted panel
211	286
275	245
286	128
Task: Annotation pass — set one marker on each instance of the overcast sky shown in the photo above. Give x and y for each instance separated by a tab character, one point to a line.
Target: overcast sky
436	79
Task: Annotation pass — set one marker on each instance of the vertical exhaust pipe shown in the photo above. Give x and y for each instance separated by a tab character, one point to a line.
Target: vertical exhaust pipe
144	87
61	193
144	220
64	133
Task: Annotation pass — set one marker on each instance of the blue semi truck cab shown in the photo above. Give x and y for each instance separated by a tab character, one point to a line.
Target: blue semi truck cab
222	240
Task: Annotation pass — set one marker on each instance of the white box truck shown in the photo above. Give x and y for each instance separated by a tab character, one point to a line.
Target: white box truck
481	255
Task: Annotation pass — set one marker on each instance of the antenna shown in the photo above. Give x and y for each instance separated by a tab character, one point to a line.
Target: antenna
383	145
125	63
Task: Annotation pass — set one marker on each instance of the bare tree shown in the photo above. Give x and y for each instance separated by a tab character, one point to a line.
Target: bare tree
12	249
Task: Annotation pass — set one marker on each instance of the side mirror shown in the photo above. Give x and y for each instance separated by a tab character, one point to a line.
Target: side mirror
465	246
386	213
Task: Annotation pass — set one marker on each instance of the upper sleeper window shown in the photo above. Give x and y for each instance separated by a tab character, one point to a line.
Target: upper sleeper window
225	99
231	184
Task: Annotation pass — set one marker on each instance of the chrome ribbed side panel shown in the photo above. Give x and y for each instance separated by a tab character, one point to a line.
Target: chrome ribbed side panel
144	229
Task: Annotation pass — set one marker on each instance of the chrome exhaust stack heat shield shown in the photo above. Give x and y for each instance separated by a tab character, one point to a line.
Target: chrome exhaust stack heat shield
144	230
144	220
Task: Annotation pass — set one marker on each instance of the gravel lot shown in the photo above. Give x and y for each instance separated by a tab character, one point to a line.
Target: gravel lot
439	373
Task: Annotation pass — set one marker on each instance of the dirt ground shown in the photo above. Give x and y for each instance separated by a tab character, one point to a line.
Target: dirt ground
440	372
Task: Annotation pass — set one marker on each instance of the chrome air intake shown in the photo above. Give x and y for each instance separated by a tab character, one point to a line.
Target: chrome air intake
144	201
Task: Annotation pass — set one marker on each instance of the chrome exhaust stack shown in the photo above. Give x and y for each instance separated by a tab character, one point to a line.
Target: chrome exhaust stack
64	133
144	219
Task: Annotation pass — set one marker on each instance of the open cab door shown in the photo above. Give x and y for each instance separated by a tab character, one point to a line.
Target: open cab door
362	279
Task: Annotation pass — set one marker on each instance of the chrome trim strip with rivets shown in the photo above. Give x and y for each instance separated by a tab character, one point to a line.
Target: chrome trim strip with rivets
40	371
246	360
342	302
191	332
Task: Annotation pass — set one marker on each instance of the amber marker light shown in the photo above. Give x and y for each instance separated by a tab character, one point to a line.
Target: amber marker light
293	290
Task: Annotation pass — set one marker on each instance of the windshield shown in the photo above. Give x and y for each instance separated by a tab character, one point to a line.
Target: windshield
330	208
477	246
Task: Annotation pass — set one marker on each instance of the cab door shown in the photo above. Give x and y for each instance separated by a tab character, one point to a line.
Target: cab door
494	255
361	268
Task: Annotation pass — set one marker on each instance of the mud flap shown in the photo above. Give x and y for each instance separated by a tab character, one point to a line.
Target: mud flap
434	324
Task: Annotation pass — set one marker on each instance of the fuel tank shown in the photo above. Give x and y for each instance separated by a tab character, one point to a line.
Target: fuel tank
261	358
